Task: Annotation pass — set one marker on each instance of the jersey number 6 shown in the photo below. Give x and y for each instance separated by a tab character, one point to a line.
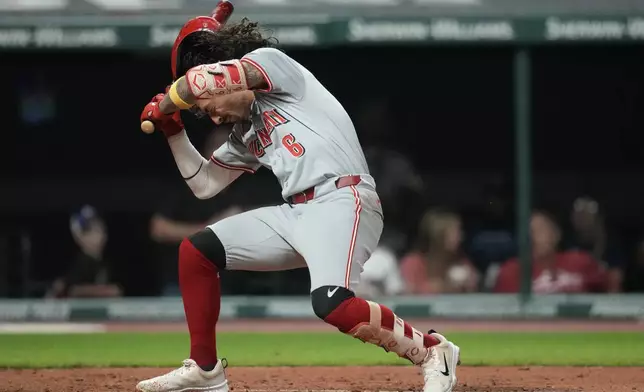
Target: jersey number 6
295	148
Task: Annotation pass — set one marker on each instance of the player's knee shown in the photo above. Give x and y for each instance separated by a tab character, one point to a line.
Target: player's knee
210	246
326	299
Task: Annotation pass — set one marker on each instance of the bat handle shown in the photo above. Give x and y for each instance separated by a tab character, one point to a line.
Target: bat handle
222	11
147	126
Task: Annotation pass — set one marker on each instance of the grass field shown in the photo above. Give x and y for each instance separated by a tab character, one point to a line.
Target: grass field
315	348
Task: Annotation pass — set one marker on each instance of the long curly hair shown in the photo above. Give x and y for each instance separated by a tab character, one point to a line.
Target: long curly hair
233	41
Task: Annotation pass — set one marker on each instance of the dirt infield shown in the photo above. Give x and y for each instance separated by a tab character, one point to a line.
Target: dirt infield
354	379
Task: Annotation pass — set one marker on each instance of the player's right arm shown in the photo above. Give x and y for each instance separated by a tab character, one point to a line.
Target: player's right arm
204	177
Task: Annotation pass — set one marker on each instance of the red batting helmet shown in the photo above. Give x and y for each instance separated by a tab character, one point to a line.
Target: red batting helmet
212	23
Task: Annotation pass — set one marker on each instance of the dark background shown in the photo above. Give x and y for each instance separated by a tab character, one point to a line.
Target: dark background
449	110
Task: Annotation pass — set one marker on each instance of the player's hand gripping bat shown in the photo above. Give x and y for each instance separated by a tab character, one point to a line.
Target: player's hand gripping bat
197	88
217	19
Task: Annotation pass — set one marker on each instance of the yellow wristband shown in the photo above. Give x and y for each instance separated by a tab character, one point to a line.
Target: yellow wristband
176	99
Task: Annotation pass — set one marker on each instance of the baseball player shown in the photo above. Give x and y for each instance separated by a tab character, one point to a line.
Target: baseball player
285	120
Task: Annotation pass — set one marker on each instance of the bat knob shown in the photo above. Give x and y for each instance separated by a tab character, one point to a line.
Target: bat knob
147	126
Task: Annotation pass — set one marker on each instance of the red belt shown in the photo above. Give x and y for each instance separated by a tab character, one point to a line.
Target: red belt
309	194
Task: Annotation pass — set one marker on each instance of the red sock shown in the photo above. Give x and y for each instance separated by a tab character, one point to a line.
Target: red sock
201	293
354	317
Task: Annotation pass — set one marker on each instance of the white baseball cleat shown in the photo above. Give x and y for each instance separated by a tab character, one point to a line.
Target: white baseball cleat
439	369
188	378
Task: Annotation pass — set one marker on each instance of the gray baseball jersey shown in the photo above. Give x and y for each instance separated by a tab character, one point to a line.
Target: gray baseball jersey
303	134
299	130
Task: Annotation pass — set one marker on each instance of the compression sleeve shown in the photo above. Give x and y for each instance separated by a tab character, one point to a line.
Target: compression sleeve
205	178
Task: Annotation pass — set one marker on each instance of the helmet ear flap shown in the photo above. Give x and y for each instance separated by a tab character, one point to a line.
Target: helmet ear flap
200	23
217	19
187	56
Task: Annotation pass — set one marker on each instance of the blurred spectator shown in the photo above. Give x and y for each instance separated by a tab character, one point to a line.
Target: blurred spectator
181	214
380	275
89	275
490	232
553	271
589	233
634	276
438	264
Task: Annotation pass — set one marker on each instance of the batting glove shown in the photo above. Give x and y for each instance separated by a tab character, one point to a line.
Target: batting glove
169	124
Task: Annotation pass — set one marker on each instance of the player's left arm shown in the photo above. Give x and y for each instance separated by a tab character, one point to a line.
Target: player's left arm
265	70
254	77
